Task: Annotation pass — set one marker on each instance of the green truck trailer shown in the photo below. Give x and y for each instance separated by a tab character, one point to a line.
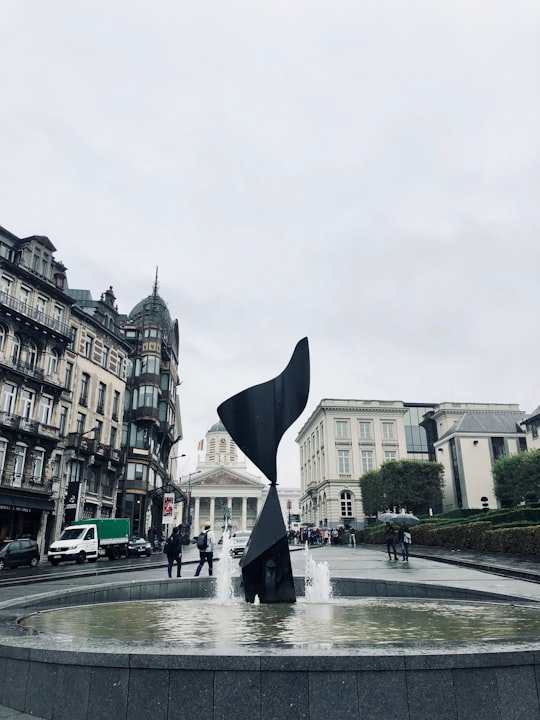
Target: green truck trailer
90	539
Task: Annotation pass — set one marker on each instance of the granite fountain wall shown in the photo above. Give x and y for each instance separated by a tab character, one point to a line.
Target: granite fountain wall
54	679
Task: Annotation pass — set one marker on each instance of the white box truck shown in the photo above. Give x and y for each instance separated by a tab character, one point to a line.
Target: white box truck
90	539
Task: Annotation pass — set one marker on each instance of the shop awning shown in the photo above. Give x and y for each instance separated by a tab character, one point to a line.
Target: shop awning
25	504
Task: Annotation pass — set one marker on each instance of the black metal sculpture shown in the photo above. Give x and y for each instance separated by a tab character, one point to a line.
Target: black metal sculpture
256	419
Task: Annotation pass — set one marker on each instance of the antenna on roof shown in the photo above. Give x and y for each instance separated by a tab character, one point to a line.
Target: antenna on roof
155	290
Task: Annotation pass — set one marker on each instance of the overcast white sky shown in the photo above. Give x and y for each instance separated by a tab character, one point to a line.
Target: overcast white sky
363	172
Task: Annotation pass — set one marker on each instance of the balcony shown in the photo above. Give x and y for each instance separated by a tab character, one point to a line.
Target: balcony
32	427
31	313
24	482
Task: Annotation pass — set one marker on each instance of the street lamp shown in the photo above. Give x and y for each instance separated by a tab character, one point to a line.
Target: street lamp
289	506
81	471
187	508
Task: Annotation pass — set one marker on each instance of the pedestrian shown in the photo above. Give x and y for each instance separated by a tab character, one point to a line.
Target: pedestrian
404	539
173	550
205	543
352	537
334	536
389	535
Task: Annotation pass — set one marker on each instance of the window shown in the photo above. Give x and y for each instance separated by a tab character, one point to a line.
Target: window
45	410
81	419
388	430
5	284
36	261
344	462
30	354
54	357
88	346
38	461
27	404
98	429
58	314
105	356
114	433
390	454
151	364
3	335
364	430
116	404
41	306
69	375
16	349
24	295
101	398
342	429
119	365
18	465
148	396
346	504
498	447
63	420
3	453
367	460
9	393
85	380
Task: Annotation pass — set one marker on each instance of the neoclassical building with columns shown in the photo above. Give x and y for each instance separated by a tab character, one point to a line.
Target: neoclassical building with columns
221	489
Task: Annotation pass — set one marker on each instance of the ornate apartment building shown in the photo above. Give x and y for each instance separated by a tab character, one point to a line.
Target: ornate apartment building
89	412
35	333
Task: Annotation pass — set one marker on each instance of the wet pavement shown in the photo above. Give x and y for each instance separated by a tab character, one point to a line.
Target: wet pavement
494	573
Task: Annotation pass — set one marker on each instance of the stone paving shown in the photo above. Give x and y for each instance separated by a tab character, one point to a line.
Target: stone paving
426	565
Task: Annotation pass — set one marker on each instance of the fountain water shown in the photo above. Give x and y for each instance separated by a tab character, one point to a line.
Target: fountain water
317	579
225	572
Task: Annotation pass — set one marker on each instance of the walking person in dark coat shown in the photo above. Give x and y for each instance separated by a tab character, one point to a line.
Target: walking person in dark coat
389	535
173	550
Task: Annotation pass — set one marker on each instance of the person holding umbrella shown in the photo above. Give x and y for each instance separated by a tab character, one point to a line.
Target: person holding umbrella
404	539
389	535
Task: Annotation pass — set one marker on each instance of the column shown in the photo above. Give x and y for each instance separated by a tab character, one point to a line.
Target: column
212	511
244	513
196	519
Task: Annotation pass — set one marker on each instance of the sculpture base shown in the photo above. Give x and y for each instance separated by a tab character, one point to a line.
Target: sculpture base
266	563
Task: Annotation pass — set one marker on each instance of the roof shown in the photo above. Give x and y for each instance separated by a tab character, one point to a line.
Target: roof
494	423
218	427
533	415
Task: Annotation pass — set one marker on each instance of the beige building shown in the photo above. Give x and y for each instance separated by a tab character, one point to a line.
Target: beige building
471	437
340	441
343	439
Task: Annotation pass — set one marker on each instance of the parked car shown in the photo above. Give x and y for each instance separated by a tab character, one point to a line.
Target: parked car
18	552
138	546
239	541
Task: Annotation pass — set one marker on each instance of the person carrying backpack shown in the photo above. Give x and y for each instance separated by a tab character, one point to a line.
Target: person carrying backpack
173	550
205	544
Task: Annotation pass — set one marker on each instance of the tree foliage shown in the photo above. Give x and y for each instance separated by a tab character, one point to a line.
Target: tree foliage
411	484
516	478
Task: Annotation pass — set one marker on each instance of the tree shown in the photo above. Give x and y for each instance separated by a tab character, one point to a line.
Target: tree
372	492
516	478
411	484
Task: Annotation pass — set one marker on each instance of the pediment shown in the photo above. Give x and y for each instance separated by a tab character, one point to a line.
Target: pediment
222	478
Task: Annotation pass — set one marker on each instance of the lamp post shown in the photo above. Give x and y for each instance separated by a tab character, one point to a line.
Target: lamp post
289	506
187	510
81	471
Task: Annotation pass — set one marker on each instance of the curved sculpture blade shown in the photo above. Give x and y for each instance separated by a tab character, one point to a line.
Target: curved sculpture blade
257	418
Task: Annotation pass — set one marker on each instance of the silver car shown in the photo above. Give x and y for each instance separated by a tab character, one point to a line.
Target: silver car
239	541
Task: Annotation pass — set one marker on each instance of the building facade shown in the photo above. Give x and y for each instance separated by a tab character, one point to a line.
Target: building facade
152	423
35	333
343	439
221	490
90	411
470	438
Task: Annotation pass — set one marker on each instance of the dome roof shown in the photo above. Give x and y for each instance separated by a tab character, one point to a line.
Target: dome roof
218	427
154	308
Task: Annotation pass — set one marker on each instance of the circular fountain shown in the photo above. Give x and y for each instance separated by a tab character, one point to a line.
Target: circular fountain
128	649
